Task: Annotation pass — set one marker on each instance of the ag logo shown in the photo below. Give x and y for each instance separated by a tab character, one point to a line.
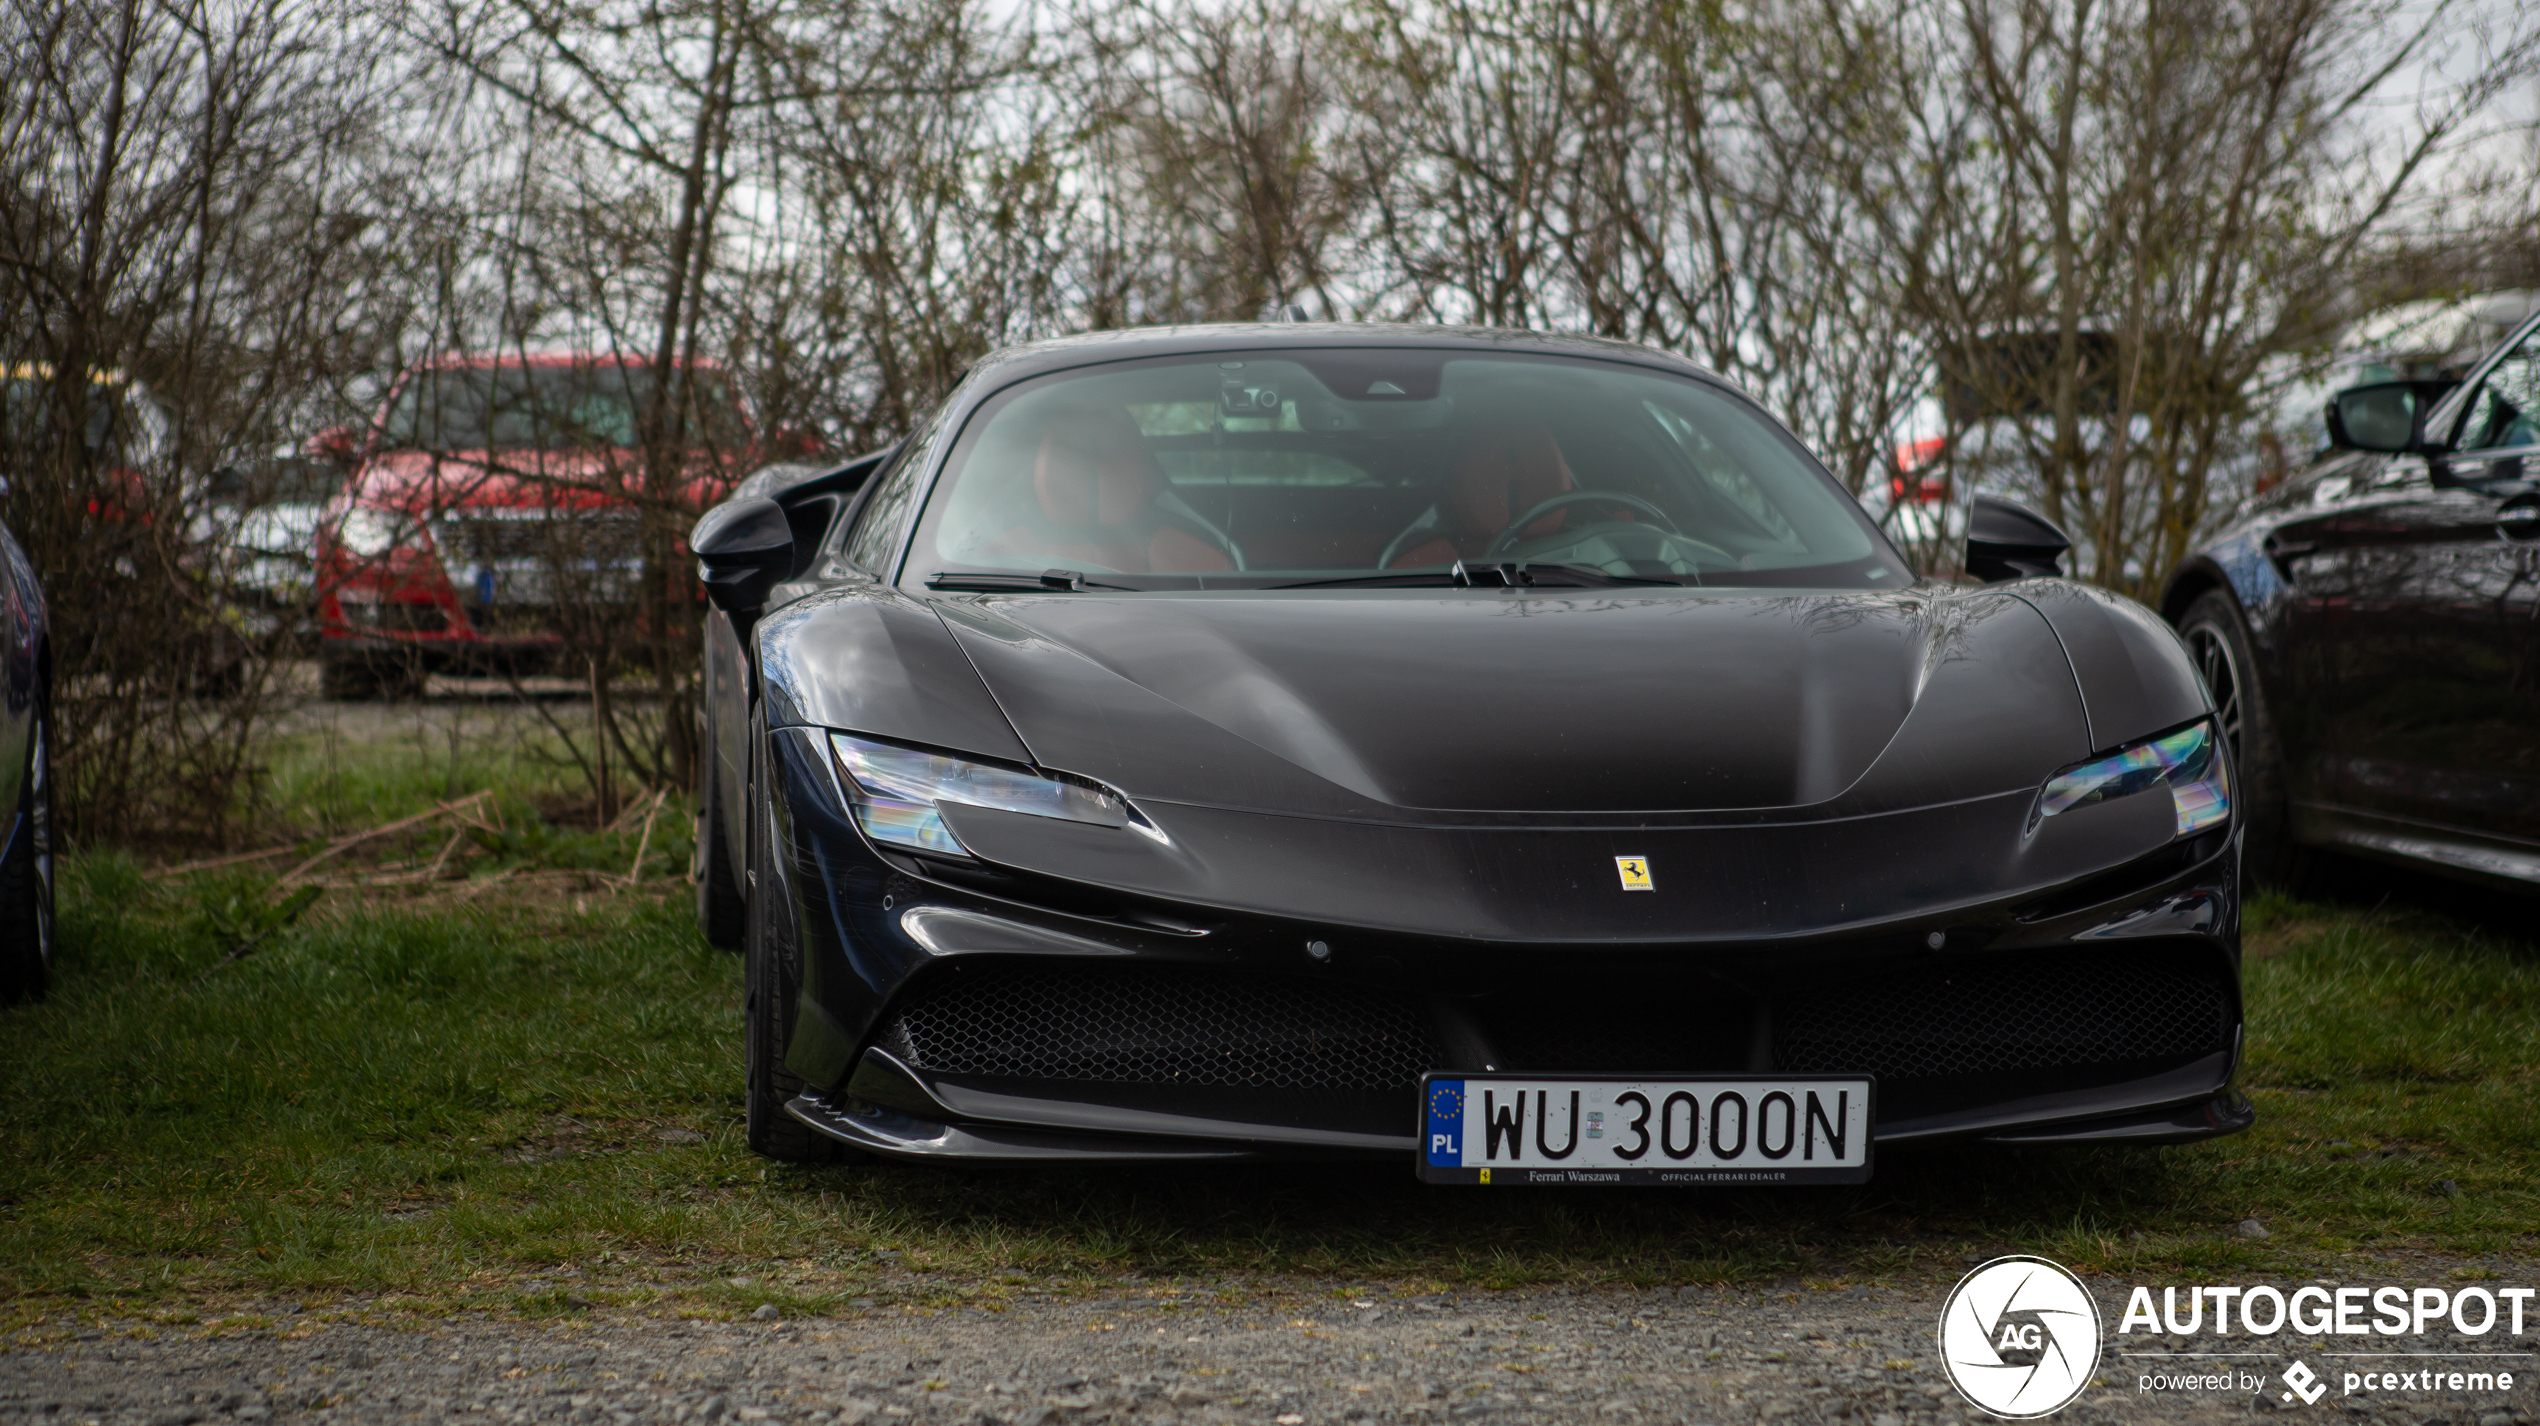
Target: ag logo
2019	1337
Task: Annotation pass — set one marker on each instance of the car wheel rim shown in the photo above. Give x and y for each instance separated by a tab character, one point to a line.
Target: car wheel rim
2222	678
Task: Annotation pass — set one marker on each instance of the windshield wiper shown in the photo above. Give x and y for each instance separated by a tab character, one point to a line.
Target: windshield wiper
1590	574
1006	582
1500	576
1415	579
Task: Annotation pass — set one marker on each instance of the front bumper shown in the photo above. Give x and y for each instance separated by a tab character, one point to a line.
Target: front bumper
897	1134
983	1014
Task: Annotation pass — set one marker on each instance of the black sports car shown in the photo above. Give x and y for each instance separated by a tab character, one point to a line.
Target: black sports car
2371	631
1302	739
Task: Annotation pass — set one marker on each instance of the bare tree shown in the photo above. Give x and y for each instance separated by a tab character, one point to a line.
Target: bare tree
2107	218
184	248
1219	139
913	209
607	136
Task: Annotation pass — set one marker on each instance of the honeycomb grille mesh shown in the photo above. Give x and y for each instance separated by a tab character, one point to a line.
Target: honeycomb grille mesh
2033	1012
1140	1025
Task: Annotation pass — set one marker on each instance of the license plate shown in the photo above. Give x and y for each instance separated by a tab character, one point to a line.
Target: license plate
1627	1129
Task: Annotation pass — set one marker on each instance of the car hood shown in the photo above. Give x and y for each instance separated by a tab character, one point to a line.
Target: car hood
1387	703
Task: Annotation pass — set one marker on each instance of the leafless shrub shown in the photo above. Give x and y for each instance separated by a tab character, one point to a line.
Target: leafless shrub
183	246
2095	233
2107	220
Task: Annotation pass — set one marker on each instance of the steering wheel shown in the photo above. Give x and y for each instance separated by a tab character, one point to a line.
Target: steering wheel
1506	539
1193	522
1225	543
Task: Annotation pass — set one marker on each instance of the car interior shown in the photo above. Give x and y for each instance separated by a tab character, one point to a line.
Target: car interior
1304	467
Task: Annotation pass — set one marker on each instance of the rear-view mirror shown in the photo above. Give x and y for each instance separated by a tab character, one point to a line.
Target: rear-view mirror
2384	416
2007	541
743	548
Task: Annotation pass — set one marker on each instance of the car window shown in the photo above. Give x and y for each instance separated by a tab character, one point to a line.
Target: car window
2505	410
872	544
1296	466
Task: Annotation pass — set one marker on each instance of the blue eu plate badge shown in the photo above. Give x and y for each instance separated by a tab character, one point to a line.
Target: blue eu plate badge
1446	1122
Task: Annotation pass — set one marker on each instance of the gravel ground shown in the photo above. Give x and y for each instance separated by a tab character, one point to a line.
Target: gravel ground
1179	1353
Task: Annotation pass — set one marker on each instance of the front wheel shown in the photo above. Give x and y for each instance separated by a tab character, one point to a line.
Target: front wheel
26	873
720	906
772	982
2219	641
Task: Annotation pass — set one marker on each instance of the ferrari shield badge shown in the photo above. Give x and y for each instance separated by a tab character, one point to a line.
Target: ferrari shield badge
1635	872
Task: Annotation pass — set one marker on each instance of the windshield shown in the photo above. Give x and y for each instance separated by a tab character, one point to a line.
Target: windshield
548	408
1385	466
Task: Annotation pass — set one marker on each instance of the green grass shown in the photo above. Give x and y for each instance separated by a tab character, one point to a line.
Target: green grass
451	1103
337	769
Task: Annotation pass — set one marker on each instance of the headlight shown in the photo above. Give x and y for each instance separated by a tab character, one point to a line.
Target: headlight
2187	762
369	532
895	792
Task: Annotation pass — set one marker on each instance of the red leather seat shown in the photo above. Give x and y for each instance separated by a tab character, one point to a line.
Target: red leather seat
1500	474
1096	484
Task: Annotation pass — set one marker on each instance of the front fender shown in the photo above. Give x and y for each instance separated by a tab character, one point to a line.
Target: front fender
2241	563
2136	678
877	661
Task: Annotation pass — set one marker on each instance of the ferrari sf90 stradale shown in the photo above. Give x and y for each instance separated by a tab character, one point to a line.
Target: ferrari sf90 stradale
1512	754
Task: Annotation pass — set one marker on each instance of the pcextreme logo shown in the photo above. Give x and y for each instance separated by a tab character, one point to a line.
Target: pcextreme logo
2019	1337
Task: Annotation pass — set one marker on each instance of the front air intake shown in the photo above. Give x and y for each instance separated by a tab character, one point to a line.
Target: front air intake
2045	1009
1162	1025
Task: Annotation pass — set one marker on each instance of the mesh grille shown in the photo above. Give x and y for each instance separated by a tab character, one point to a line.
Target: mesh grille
2030	1012
1126	1025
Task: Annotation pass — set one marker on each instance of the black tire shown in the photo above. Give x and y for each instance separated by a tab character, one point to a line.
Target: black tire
772	978
2219	641
26	873
721	909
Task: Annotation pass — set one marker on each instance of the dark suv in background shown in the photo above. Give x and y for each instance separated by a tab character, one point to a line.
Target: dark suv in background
2371	629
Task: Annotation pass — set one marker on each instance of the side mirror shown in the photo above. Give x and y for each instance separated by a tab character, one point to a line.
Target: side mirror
2007	541
337	446
743	548
2384	416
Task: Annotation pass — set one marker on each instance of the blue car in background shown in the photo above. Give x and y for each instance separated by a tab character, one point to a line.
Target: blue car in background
2371	631
26	781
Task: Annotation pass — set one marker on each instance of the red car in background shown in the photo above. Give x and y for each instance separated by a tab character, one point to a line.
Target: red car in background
491	522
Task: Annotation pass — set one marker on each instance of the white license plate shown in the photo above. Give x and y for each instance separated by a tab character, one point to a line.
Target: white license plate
1614	1129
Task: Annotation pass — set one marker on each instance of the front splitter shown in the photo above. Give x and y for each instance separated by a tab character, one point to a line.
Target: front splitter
893	1134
